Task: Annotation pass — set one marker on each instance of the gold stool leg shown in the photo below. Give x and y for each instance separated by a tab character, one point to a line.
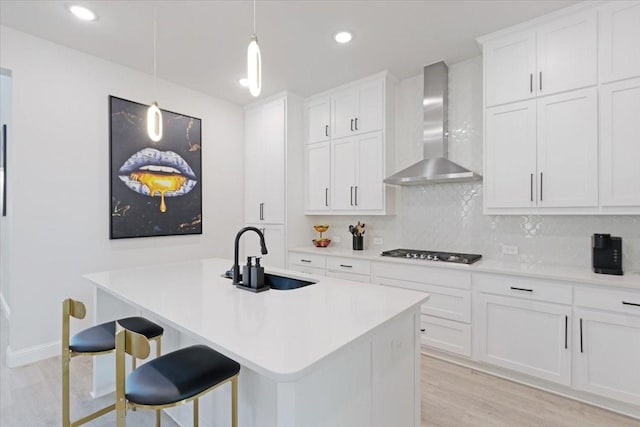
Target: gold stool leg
66	413
195	412
158	353
133	368
234	401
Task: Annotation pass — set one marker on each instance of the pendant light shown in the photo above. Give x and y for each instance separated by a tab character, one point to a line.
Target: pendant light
254	61
154	115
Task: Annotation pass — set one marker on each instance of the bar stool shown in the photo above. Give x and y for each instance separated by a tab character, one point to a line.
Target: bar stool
99	339
170	380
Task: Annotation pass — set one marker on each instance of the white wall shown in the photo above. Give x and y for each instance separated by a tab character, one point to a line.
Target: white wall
449	217
59	179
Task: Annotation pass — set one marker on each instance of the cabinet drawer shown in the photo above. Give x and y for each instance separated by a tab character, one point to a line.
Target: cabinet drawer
308	270
307	260
521	287
445	335
421	274
623	301
364	278
444	302
349	265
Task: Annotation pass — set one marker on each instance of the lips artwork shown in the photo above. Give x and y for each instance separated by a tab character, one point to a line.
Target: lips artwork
156	187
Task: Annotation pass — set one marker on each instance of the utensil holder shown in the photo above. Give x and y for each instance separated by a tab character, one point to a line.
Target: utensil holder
358	243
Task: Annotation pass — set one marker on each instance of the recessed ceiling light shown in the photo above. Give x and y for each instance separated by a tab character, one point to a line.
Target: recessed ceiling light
343	37
244	82
82	12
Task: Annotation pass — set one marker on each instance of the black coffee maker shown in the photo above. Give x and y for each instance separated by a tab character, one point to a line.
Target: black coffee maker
606	255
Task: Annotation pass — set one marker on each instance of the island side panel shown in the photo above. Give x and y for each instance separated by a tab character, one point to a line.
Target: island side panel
373	382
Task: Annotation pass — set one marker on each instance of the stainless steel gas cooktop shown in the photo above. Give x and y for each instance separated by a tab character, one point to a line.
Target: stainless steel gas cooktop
433	256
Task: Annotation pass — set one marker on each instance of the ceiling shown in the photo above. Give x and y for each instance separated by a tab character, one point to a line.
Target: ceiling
202	44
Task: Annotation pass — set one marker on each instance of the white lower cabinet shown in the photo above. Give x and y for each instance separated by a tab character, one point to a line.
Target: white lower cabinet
606	348
446	316
274	239
349	269
527	336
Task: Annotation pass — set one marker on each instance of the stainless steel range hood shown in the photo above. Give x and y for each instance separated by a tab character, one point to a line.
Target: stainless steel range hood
435	168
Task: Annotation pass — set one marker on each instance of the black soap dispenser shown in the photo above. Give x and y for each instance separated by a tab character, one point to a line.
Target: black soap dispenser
257	275
246	273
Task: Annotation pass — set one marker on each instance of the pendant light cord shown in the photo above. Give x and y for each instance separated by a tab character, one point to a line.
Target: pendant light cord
155	53
254	16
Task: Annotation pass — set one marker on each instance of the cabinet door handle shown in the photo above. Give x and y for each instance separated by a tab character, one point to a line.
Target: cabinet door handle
326	196
351	125
261	211
326	130
531	187
422	329
566	328
356	198
631	303
540	186
540	81
521	289
346	266
305	260
351	194
581	346
356	123
530	82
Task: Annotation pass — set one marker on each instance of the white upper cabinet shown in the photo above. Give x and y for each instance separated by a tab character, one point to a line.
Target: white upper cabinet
567	54
553	58
348	159
356	173
370	102
619	143
568	149
619	40
511	157
576	76
510	65
343	173
358	109
318	176
318	120
265	163
369	174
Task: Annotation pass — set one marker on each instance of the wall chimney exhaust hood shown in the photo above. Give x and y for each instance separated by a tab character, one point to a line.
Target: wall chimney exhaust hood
435	168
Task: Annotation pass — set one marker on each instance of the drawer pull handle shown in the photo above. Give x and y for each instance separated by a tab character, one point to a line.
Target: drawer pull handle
521	289
346	266
631	303
305	260
422	329
566	327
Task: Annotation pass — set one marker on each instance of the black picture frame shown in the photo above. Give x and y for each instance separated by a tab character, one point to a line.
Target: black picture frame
155	187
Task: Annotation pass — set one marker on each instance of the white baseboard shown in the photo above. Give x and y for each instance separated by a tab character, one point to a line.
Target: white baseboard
32	354
6	311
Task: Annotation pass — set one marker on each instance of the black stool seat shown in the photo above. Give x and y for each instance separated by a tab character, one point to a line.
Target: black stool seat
179	375
102	337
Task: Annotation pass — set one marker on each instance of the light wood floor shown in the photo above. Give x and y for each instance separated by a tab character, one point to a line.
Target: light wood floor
451	396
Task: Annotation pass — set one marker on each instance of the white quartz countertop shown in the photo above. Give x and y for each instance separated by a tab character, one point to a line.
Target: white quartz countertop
541	271
280	334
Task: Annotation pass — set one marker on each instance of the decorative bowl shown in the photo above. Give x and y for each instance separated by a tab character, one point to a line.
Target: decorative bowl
321	228
321	243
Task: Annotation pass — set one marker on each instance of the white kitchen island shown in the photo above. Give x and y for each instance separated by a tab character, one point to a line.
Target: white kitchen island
335	353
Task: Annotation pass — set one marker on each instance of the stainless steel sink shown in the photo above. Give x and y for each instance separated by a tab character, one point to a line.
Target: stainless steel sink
281	283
